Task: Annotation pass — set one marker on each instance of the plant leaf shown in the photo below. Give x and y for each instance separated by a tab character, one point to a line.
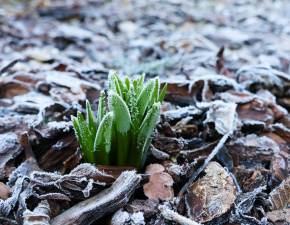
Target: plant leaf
144	97
148	123
155	92
103	140
101	108
146	130
111	80
127	83
86	137
122	118
76	128
163	93
141	80
90	118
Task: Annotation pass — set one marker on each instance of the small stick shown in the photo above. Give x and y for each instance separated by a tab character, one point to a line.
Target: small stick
107	201
176	217
208	159
8	66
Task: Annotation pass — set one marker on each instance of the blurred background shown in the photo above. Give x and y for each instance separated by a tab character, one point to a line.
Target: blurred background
167	38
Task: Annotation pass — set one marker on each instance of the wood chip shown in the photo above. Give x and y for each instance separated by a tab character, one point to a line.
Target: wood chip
212	195
4	191
279	216
280	196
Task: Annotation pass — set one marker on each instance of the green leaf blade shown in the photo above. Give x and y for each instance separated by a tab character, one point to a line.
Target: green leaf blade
102	143
101	108
146	131
144	97
86	137
122	117
162	93
90	118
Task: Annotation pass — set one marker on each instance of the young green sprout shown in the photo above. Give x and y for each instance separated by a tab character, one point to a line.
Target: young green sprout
122	134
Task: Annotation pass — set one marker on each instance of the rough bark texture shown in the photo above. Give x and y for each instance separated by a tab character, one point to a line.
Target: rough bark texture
109	200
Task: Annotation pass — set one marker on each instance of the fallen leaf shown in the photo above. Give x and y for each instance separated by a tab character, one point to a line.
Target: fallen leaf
211	195
160	183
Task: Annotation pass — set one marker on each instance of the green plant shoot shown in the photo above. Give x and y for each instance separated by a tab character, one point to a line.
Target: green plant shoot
121	132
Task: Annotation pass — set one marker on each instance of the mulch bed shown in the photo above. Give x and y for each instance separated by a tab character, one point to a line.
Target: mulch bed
220	152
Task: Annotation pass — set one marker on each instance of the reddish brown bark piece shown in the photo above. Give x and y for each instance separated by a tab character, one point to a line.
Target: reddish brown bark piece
279	217
256	110
212	195
4	191
160	183
279	167
280	196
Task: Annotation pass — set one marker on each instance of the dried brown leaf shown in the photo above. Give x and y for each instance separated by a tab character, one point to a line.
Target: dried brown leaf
159	187
212	195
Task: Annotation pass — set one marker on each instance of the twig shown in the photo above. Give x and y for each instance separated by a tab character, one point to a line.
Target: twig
8	66
174	216
208	159
107	201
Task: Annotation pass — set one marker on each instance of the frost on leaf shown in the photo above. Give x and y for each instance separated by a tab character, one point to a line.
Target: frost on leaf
223	115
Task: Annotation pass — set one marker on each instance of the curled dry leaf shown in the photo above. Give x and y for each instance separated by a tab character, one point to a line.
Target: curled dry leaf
280	196
156	153
6	206
10	148
212	195
80	183
168	145
55	157
25	169
223	115
160	183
